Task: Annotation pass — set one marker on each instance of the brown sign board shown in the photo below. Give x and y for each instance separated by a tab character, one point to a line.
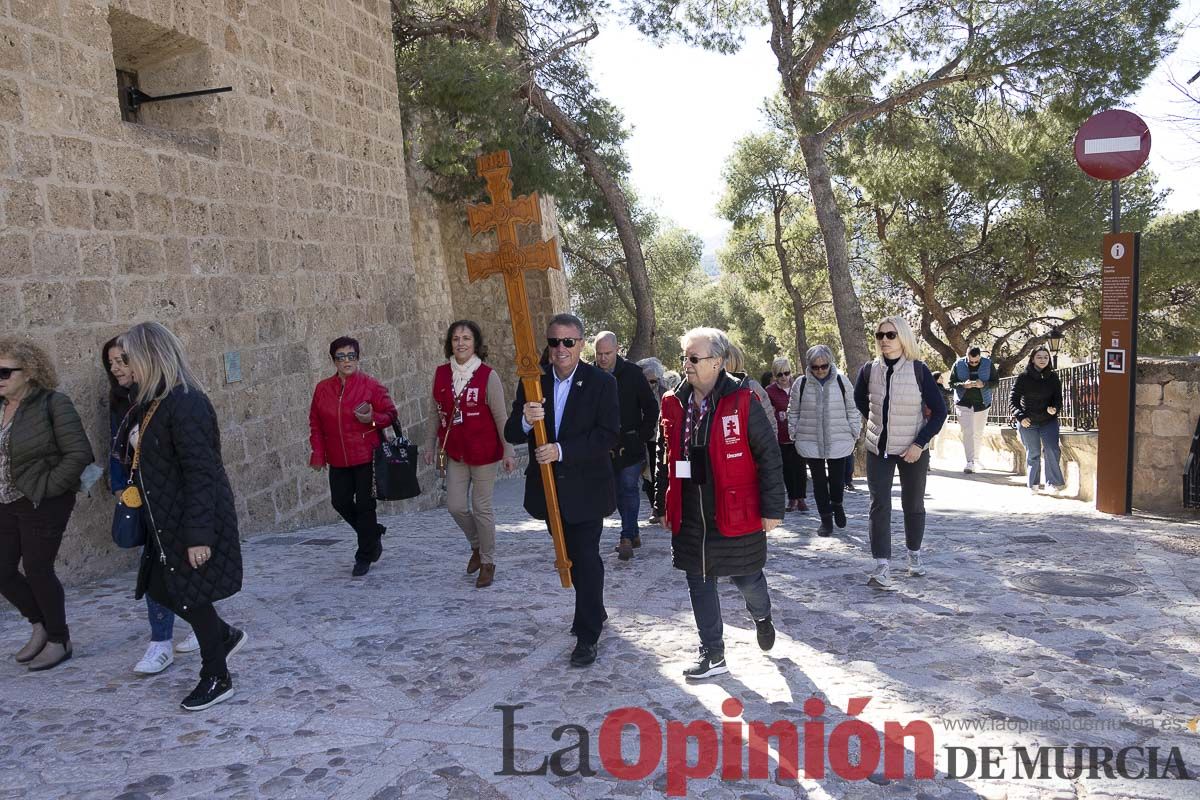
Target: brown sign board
1118	362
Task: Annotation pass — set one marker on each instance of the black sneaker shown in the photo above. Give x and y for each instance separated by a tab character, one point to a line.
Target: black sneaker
209	692
361	567
706	666
766	633
235	641
839	515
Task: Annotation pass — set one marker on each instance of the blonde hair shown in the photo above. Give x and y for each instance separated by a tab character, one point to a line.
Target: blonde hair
33	361
781	361
735	359
157	360
908	342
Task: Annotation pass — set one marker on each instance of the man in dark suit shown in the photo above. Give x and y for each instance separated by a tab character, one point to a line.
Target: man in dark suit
583	422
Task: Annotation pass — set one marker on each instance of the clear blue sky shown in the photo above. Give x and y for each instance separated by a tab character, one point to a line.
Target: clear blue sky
687	108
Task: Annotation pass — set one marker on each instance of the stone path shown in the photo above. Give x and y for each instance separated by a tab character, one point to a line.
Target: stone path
385	687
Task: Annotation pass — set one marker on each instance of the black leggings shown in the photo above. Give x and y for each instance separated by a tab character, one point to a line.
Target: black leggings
794	476
350	494
211	631
828	482
31	537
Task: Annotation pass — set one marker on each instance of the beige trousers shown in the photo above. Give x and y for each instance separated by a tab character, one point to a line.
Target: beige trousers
973	424
469	500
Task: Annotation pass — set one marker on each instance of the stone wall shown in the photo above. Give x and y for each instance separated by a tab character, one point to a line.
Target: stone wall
258	224
1168	405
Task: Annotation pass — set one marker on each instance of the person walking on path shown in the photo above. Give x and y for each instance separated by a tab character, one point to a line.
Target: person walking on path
471	411
905	409
653	369
583	422
193	557
973	378
639	420
346	419
824	424
43	452
160	653
1036	399
722	478
795	475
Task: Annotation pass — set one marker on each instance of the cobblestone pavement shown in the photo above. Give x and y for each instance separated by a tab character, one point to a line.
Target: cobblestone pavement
386	686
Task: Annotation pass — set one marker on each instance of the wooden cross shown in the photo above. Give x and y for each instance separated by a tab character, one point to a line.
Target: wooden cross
511	260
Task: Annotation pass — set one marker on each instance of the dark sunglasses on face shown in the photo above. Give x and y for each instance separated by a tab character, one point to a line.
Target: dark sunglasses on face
819	367
654	383
567	342
6	372
346	357
784	374
694	359
881	335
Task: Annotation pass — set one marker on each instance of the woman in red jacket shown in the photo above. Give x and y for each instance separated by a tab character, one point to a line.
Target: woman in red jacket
348	414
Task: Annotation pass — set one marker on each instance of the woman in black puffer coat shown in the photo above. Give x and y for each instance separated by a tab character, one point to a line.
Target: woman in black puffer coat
192	557
1036	399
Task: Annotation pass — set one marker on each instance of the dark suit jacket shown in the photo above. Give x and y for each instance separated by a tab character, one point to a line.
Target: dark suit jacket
639	413
590	427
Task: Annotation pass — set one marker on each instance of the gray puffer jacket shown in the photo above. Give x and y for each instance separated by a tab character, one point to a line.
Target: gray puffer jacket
48	448
822	418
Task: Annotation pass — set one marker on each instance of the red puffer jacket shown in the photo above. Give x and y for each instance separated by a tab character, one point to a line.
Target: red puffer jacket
337	438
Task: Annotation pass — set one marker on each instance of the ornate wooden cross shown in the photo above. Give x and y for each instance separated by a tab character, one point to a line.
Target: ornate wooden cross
510	259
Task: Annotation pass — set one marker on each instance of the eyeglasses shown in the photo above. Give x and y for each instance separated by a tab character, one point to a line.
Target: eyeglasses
568	342
783	374
694	359
6	372
818	367
881	335
346	357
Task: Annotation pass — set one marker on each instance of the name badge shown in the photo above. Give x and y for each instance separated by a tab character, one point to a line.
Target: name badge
458	417
683	469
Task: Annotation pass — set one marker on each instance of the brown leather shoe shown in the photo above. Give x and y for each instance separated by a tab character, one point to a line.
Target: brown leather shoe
474	563
486	573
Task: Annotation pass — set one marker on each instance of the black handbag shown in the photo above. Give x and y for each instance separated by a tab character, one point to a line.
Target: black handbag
394	468
127	530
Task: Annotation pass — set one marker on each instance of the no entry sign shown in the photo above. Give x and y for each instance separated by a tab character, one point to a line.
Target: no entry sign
1112	145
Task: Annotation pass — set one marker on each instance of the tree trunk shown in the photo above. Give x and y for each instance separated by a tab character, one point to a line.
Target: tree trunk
846	307
618	206
785	268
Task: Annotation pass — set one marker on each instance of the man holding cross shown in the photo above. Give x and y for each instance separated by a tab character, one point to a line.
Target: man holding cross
583	421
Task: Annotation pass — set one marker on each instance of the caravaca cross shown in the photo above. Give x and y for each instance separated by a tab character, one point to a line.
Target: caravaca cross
511	260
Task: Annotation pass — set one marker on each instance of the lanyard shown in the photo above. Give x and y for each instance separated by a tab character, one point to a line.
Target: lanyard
693	419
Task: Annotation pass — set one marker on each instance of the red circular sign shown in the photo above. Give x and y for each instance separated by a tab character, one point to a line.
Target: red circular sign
1112	145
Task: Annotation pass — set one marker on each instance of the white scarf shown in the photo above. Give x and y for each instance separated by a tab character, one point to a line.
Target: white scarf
463	372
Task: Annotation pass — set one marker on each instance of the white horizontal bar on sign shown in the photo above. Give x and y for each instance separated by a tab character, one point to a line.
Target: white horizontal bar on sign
1118	144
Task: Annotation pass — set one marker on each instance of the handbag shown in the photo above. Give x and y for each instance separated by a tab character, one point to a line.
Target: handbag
394	468
127	530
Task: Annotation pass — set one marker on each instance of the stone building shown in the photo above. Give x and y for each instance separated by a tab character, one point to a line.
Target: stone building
258	224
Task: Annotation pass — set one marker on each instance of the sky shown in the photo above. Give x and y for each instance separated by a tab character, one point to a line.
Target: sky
687	108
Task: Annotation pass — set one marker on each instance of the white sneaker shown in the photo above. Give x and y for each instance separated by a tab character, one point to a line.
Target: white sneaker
188	645
158	657
916	565
880	577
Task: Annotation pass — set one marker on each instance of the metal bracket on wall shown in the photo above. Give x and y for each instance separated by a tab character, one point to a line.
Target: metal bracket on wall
135	97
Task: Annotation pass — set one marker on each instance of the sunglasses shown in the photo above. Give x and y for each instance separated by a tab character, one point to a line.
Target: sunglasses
6	372
783	374
568	342
818	367
346	357
654	383
881	335
694	359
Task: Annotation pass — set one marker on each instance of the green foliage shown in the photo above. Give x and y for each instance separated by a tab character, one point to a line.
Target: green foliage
1169	322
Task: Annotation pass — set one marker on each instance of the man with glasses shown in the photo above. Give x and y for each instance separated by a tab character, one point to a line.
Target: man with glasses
583	423
973	378
639	418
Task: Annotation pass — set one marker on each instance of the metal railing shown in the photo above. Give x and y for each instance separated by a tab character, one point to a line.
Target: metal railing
1081	399
1191	473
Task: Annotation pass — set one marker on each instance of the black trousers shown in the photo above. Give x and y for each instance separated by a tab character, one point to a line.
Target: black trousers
31	537
829	482
794	476
880	474
350	494
587	575
211	631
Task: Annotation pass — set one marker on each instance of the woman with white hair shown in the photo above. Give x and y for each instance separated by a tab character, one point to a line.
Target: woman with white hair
904	409
723	491
794	475
653	369
824	425
192	556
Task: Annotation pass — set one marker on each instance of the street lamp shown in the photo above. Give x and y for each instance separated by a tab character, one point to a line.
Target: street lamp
1054	341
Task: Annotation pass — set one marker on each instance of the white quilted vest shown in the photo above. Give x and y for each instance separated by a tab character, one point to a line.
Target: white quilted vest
905	413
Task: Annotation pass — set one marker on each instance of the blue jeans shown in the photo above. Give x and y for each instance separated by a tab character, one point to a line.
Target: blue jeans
162	621
629	498
706	605
1041	444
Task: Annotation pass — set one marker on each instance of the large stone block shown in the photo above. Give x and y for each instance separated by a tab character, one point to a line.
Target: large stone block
1168	423
69	207
1149	394
114	210
16	256
137	255
1181	395
55	254
23	203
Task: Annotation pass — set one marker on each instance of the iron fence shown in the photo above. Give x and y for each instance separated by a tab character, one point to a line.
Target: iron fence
1191	473
1081	399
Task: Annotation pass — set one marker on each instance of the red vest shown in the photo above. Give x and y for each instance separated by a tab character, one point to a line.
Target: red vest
731	464
475	440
